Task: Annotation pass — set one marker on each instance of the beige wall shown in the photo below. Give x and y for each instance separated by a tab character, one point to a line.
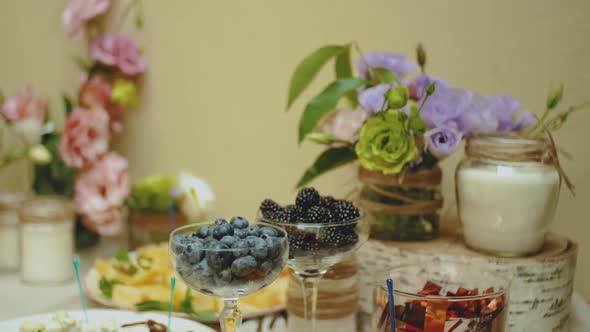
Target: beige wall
215	93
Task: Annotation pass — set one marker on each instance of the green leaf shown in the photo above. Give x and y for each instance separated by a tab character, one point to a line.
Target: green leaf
106	287
328	160
307	70
152	305
82	63
320	138
68	104
343	69
384	75
55	178
122	255
325	102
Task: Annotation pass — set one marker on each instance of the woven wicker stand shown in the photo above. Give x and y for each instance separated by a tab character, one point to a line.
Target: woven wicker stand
541	288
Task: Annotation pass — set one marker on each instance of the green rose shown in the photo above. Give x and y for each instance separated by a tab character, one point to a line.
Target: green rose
385	143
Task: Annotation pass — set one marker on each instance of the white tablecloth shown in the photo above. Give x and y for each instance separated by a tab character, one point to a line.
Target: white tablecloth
19	299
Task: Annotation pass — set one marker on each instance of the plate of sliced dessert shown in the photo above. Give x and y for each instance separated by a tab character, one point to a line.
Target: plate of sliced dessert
104	320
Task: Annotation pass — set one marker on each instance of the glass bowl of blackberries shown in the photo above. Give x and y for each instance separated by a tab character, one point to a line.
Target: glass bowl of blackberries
228	260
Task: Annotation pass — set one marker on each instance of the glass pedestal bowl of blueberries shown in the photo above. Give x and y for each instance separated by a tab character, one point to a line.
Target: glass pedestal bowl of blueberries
228	260
322	232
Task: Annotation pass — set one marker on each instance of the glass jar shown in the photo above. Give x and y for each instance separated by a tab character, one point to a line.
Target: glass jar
10	203
439	296
402	207
47	240
507	192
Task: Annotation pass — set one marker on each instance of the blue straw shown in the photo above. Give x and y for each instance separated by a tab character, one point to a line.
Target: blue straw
76	263
391	304
172	285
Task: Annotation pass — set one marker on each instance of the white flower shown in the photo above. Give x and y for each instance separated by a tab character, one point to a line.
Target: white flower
39	154
197	197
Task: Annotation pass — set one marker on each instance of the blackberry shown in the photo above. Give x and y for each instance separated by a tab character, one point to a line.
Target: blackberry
293	213
345	211
272	210
307	197
327	202
339	238
318	215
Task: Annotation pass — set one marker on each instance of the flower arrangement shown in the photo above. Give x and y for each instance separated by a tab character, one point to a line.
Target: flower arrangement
393	123
76	160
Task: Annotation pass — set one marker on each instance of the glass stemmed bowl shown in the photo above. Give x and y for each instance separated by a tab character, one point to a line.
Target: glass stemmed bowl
216	265
314	248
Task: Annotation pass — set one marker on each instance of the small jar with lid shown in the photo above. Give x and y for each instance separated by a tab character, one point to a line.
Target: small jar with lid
507	193
10	203
47	240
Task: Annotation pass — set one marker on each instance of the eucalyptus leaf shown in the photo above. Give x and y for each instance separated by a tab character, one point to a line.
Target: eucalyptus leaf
384	75
343	69
328	160
308	69
324	103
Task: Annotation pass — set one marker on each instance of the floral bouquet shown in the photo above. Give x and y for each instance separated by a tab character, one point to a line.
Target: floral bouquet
76	160
398	127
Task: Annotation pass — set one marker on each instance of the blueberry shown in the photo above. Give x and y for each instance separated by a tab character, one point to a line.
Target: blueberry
220	221
243	245
182	266
194	252
209	241
179	243
257	247
219	257
240	233
273	246
228	240
202	270
269	231
223	278
204	231
253	230
244	266
220	231
239	222
266	267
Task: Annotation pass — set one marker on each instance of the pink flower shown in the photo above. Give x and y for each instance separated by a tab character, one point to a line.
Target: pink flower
118	51
23	105
344	124
95	93
78	12
100	192
85	138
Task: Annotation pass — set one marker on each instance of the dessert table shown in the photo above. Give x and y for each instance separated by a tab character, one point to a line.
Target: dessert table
21	299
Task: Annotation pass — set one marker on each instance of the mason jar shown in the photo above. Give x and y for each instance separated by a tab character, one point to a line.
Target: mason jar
507	192
47	240
10	203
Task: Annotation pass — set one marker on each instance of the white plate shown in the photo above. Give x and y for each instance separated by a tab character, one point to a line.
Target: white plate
120	316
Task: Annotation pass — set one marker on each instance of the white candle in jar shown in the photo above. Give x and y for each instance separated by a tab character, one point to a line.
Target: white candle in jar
47	241
10	203
507	208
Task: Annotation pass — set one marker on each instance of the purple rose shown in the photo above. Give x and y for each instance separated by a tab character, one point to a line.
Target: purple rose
443	107
418	86
476	115
373	99
525	120
442	141
397	63
504	107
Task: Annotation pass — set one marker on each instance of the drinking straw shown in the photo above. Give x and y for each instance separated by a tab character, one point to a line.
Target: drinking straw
171	304
76	263
391	303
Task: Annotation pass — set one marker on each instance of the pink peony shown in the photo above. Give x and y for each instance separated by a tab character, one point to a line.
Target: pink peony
100	192
85	137
78	12
344	124
118	51
95	93
23	105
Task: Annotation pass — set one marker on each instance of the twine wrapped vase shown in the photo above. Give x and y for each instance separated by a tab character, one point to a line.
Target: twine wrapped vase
402	207
338	300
